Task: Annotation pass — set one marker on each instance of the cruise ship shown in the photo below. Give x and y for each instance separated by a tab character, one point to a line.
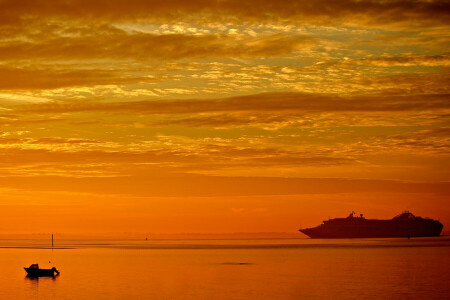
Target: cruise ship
403	225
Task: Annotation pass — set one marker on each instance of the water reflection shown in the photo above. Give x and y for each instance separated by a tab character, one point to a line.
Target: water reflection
37	284
37	278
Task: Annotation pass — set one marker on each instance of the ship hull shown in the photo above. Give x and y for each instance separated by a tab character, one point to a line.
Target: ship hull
376	229
32	272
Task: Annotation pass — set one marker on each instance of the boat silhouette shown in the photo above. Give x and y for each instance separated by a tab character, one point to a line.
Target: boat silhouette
35	271
403	225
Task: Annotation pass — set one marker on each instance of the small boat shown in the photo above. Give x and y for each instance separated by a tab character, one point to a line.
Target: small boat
34	271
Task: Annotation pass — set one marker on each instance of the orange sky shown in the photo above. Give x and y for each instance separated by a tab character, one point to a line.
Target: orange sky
220	116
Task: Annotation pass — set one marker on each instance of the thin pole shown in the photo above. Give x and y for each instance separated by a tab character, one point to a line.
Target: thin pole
52	240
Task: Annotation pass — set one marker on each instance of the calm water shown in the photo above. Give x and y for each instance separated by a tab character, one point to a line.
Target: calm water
237	269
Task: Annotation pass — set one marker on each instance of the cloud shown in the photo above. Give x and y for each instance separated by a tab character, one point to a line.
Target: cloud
418	83
63	151
6	98
266	102
381	61
435	39
197	185
375	13
392	61
12	78
14	121
85	159
140	46
226	120
374	76
436	140
56	140
435	132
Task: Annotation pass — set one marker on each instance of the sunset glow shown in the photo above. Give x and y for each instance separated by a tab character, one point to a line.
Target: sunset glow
128	118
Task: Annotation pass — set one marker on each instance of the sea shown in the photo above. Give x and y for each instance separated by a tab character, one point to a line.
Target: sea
416	268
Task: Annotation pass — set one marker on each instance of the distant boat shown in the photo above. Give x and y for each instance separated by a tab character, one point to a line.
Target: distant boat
35	271
403	225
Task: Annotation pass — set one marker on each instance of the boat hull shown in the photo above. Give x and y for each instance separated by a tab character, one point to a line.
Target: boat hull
33	272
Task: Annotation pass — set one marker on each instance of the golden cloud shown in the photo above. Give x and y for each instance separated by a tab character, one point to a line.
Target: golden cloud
318	12
12	78
140	46
290	101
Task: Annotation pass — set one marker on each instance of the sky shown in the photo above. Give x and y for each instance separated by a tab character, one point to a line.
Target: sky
165	117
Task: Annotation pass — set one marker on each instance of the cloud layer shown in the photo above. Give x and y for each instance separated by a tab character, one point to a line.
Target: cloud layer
132	113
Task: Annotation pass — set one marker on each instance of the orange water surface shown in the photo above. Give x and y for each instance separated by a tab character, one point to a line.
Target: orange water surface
230	269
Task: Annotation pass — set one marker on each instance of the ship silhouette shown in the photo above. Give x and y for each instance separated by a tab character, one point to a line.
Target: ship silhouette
35	271
403	225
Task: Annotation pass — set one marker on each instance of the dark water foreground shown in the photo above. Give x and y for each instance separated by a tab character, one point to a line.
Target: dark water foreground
232	269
